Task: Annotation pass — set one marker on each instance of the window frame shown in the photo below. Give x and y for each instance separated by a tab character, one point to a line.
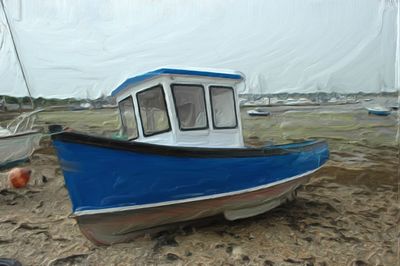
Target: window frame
166	109
210	88
176	108
134	115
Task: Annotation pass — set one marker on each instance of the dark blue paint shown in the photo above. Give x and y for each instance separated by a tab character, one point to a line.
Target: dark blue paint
172	71
99	178
379	112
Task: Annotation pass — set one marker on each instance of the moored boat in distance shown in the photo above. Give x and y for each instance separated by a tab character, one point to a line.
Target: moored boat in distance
379	111
299	102
260	111
180	157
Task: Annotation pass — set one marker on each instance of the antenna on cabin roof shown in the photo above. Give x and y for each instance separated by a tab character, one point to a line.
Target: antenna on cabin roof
16	53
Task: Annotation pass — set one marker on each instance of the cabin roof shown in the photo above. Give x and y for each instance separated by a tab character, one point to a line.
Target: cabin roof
224	74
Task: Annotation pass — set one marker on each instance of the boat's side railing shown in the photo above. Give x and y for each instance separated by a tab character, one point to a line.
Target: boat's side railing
23	122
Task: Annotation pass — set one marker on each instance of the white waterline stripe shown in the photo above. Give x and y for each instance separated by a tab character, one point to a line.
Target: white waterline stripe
159	204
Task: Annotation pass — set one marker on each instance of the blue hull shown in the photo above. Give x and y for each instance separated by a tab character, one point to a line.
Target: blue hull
101	176
381	113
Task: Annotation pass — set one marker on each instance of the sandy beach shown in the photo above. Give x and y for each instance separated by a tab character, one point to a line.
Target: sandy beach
348	214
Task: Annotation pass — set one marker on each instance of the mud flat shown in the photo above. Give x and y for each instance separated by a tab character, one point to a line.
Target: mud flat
348	214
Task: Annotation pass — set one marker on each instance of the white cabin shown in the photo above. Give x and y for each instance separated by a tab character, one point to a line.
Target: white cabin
182	107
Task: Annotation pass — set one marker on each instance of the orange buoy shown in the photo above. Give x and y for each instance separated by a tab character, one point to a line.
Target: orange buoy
19	177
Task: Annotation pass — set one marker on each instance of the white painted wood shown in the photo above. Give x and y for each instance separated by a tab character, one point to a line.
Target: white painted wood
18	146
210	137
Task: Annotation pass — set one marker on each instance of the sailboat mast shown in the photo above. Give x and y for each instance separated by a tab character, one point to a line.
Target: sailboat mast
17	55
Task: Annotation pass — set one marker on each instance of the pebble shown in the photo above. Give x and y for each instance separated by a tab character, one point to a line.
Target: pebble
268	263
172	257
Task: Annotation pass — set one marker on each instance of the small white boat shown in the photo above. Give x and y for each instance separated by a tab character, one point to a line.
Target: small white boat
333	100
259	112
18	140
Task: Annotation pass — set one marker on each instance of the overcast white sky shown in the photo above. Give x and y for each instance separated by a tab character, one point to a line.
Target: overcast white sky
86	48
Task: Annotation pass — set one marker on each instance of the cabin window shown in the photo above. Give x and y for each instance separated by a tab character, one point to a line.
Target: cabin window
190	106
153	111
223	107
128	119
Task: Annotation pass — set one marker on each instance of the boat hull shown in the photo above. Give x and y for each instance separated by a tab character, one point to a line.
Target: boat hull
18	147
117	227
379	112
119	187
258	113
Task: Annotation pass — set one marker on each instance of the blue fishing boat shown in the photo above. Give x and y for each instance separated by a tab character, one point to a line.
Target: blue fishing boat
180	156
379	111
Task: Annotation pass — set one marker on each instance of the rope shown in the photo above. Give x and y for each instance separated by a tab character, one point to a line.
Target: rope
17	55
